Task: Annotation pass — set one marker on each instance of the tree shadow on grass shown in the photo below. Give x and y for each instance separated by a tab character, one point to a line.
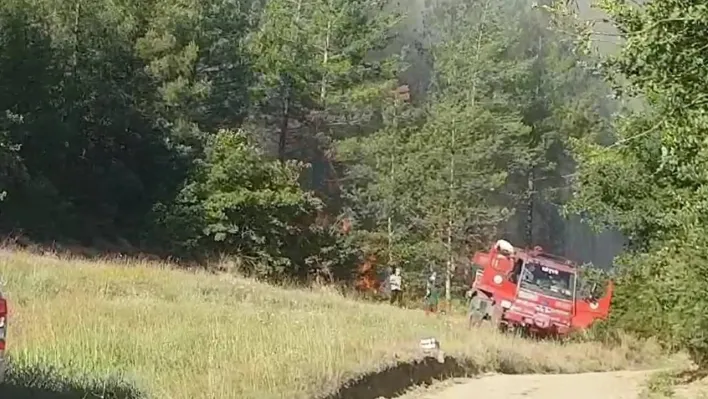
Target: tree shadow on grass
37	383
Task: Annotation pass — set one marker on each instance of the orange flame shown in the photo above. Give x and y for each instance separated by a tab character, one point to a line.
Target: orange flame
366	278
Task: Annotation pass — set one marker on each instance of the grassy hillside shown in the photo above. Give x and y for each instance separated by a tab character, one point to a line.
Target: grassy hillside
176	334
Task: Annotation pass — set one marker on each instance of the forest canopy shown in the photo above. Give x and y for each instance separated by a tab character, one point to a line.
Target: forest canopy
301	138
254	129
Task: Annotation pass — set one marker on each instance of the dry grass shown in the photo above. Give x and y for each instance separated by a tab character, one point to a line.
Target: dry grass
189	335
682	381
693	390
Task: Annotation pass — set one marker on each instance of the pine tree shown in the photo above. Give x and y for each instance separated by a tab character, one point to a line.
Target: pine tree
651	182
448	167
561	99
314	81
470	141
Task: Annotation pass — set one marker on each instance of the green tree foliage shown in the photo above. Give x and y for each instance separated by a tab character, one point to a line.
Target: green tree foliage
250	128
375	187
651	183
113	115
314	80
238	201
562	98
71	84
508	93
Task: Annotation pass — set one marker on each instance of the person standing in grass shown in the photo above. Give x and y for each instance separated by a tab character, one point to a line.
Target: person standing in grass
432	295
395	284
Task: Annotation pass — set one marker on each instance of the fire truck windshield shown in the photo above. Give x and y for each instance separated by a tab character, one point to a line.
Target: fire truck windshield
547	280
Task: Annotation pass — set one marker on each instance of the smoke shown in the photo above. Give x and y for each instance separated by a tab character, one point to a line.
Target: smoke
410	43
569	237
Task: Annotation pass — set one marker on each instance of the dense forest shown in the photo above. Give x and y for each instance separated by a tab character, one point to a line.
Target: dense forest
297	136
300	138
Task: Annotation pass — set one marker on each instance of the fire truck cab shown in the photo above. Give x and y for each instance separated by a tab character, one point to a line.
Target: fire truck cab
532	290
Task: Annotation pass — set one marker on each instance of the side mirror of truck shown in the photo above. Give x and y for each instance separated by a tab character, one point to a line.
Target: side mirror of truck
597	296
594	293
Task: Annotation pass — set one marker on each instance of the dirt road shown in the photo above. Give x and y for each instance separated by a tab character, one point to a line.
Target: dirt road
613	385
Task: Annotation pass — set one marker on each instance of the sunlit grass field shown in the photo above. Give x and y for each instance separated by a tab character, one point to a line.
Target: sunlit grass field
176	334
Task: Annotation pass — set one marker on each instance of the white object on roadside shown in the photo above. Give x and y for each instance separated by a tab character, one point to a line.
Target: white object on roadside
429	344
431	347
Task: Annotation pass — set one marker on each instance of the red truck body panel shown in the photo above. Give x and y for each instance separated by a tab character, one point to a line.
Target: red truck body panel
519	303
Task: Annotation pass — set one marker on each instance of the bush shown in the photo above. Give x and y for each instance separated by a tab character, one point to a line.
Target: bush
662	293
238	202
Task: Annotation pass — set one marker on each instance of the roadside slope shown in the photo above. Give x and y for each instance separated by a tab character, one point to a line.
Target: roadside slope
179	335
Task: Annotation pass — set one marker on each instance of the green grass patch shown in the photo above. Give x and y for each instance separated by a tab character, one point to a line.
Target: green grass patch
131	329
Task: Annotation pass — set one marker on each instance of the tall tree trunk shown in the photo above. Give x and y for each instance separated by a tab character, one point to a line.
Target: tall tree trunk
285	121
390	211
325	60
531	186
287	96
451	213
392	181
529	211
75	55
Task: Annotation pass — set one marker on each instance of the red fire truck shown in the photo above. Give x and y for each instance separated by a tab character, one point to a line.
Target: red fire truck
533	291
